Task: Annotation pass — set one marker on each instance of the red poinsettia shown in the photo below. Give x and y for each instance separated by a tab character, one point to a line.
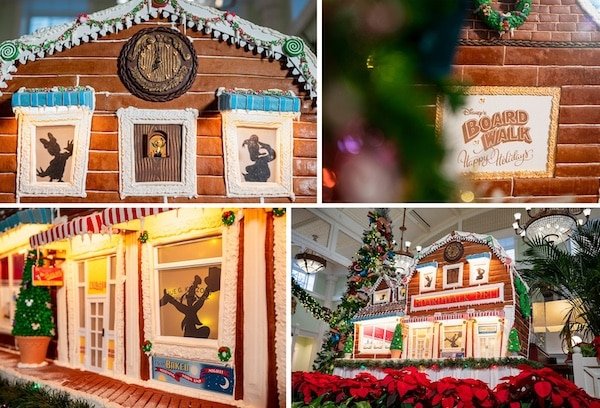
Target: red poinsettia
313	385
407	385
459	393
363	387
544	387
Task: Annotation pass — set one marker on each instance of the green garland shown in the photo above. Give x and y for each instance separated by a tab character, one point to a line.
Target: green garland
468	363
310	304
524	300
503	22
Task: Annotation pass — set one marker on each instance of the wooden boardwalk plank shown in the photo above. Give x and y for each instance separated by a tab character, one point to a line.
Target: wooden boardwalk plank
108	388
144	399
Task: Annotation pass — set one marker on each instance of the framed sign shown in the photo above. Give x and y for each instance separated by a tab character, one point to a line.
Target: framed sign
193	374
53	150
502	132
258	153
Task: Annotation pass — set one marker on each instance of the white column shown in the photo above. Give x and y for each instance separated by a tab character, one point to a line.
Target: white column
61	320
255	307
132	307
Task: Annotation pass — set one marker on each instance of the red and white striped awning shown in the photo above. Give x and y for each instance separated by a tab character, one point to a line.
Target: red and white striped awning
96	223
88	224
112	216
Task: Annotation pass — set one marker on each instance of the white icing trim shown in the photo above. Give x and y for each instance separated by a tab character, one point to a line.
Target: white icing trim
32	365
265	41
29	120
119	358
187	118
280	295
281	123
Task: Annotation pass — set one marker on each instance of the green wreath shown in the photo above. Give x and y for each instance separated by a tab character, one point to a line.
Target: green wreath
503	22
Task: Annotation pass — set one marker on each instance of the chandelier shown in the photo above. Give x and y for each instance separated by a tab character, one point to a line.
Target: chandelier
404	259
310	262
553	225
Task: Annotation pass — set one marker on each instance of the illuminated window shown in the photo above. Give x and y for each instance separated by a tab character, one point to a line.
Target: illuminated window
376	338
189	284
11	271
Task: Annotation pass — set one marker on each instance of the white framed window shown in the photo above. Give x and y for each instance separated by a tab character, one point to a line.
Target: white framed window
453	339
53	150
144	172
453	276
188	276
258	149
376	337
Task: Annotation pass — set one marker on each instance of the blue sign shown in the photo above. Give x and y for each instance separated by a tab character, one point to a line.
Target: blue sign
193	374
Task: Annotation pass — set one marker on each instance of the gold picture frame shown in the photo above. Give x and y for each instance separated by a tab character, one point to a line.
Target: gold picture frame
548	157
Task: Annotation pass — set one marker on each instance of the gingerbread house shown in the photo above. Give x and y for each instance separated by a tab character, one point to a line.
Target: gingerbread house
463	299
153	101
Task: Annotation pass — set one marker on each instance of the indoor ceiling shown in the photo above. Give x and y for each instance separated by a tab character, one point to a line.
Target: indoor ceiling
336	234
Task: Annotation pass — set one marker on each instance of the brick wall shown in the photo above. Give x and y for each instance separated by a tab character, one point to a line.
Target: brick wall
555	55
219	64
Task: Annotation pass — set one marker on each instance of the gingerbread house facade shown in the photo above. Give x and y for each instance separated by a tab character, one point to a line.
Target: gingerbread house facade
463	298
157	101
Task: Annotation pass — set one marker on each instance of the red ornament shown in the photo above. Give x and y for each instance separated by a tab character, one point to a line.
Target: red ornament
82	18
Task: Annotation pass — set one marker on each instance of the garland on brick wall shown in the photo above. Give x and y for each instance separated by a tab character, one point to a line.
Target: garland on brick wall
503	22
221	25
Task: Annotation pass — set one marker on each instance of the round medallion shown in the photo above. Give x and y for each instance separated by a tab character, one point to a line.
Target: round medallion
454	251
158	64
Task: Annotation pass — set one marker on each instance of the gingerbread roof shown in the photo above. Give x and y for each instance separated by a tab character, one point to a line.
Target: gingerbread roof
221	25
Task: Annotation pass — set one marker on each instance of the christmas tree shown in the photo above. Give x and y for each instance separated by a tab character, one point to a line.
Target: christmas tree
33	316
514	345
397	339
374	258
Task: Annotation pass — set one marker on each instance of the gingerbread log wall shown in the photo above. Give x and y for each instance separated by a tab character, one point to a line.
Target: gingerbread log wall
219	65
498	274
558	46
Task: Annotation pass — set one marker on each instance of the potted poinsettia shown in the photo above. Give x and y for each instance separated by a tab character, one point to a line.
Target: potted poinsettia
396	346
33	326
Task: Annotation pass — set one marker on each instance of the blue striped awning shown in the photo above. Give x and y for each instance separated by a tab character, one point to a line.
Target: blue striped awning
54	97
29	216
258	101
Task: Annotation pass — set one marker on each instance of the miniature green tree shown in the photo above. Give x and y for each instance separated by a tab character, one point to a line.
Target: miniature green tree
33	315
514	345
397	339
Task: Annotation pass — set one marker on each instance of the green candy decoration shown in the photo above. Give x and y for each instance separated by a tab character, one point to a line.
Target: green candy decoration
514	345
293	47
224	354
9	51
503	22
